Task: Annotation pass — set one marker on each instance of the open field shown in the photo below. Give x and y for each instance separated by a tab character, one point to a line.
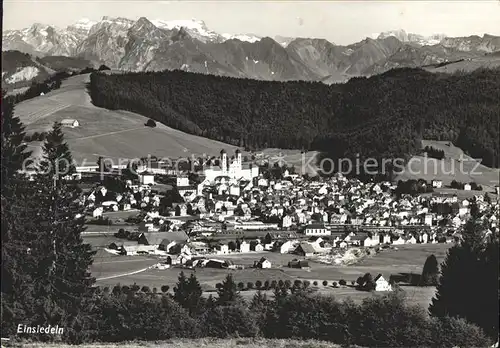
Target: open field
455	166
407	259
205	343
109	265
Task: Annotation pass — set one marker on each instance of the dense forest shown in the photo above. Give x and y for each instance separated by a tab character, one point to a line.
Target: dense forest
384	116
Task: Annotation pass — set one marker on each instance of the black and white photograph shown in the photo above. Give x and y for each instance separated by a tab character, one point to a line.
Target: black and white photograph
250	174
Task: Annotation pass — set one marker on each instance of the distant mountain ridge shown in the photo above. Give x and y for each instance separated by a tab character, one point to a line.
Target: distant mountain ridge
189	45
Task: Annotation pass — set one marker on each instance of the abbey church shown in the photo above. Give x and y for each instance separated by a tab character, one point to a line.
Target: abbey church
234	169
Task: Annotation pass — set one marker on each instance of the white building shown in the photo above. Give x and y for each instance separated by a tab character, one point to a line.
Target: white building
437	183
381	284
182	181
263	263
233	169
244	247
72	123
147	178
316	230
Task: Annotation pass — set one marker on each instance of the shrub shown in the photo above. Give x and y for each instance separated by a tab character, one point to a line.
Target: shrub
165	288
258	284
117	290
250	285
392	323
228	321
297	283
150	123
453	332
307	283
325	283
266	284
145	289
281	283
241	285
315	283
334	284
126	318
342	282
274	283
288	284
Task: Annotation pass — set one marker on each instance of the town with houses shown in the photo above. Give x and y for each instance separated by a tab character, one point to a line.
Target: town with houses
236	207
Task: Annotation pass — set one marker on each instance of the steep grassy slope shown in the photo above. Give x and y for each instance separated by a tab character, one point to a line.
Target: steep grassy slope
115	134
456	165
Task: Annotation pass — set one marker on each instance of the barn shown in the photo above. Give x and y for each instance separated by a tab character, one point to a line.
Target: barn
69	122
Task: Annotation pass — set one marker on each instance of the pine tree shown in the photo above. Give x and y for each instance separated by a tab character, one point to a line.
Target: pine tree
65	285
13	151
468	286
228	292
57	161
17	228
430	272
188	293
181	290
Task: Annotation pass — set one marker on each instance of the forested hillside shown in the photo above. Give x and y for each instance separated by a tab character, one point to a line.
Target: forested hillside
382	116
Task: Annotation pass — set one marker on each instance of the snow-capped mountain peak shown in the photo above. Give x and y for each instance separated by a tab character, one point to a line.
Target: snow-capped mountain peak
195	28
242	37
403	36
84	23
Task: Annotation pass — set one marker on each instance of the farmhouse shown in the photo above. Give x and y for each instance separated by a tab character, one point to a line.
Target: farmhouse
298	264
306	249
68	122
262	263
173	238
381	284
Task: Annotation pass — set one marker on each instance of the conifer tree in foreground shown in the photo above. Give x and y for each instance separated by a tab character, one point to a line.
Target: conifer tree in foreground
468	286
430	272
66	288
17	231
188	293
228	292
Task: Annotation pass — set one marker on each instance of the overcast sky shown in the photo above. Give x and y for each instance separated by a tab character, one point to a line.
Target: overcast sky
337	21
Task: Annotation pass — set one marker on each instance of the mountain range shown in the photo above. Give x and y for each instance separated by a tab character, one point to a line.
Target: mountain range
189	45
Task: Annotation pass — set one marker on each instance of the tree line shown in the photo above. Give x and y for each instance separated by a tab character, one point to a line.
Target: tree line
384	116
434	153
